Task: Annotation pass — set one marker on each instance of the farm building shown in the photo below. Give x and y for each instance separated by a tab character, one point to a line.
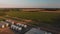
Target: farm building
37	31
3	24
19	27
22	25
16	28
10	21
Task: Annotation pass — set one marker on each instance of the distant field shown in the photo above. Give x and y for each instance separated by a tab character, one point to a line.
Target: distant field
41	16
51	11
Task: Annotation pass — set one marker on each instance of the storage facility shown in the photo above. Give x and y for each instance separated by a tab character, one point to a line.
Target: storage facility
3	24
37	31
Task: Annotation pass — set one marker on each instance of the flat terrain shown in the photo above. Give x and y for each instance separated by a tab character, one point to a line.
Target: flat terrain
6	31
44	16
48	17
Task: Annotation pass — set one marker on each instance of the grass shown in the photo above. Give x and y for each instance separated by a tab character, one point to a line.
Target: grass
45	17
42	16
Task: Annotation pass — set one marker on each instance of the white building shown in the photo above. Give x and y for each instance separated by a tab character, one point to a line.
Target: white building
3	24
22	25
14	27
11	21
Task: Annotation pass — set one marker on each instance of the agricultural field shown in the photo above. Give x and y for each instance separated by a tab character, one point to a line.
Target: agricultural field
44	17
39	17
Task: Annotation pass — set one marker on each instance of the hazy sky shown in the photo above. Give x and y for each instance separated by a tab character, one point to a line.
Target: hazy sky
29	3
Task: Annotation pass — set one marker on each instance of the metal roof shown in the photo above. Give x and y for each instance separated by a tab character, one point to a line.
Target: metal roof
37	31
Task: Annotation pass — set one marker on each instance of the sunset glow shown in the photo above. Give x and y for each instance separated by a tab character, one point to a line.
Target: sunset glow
29	3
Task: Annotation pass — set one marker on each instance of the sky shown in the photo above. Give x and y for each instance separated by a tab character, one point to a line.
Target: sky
29	3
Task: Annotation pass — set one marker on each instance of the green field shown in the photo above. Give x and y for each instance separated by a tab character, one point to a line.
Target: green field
36	16
44	17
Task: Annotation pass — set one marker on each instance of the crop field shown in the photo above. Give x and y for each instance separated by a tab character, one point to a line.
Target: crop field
42	19
45	16
37	16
